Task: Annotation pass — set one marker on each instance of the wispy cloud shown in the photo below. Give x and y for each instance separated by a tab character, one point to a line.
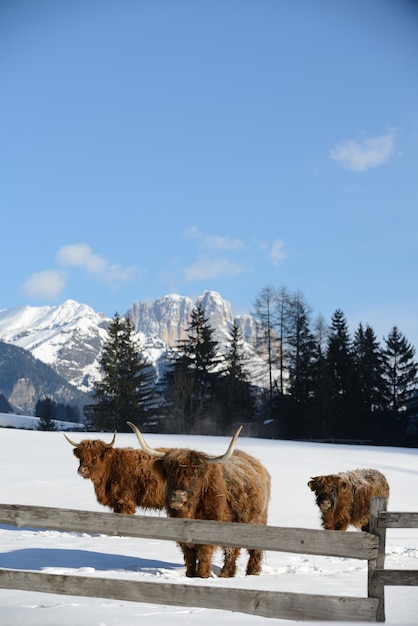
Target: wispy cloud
215	242
81	255
206	268
277	252
47	284
360	156
219	255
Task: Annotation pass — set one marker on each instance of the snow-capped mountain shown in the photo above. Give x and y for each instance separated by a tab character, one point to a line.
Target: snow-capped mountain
69	337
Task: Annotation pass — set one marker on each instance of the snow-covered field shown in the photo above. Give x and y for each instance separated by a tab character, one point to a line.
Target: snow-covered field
39	468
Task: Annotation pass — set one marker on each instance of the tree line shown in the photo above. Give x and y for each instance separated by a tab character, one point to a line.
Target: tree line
314	380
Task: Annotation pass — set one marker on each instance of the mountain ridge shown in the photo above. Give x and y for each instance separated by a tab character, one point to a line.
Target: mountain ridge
69	337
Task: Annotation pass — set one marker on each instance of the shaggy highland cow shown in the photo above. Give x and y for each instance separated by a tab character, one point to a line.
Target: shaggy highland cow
122	477
234	487
344	499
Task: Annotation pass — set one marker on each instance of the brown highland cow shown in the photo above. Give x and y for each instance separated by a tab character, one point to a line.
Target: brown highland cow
344	499
234	487
121	477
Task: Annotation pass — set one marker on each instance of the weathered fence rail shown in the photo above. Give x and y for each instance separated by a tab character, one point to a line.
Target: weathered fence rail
276	604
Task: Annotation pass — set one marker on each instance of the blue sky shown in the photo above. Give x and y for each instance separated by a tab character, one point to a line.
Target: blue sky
157	147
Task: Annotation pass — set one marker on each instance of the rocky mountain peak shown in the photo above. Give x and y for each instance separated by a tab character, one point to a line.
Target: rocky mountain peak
69	337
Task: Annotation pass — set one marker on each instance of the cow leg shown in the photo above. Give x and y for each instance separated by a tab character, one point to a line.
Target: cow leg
254	562
190	559
340	525
230	562
204	560
126	508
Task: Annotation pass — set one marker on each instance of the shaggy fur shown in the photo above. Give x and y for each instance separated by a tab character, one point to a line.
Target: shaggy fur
344	499
122	477
237	490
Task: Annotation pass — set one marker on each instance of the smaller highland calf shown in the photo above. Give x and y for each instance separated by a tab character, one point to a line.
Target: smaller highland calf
344	499
121	477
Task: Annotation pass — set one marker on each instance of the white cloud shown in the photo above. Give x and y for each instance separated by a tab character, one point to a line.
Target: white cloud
81	255
223	243
277	253
359	156
216	242
208	265
211	268
47	284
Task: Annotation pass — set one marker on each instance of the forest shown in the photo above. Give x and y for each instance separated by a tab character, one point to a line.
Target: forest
323	383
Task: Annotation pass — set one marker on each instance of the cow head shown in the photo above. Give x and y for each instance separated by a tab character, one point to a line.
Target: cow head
185	473
327	490
90	453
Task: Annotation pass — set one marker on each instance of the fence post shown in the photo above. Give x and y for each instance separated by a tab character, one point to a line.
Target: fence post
376	589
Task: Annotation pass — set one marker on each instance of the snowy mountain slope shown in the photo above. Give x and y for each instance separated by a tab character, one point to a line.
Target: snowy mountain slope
69	337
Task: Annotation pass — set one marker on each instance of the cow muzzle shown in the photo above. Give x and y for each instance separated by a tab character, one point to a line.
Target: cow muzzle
326	501
178	500
84	471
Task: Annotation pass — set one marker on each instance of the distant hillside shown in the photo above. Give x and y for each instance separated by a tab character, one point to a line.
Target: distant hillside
24	380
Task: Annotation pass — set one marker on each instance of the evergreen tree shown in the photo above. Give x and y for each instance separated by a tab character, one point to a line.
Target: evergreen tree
67	413
300	358
372	388
301	351
233	388
189	383
401	369
200	349
340	379
126	390
45	410
183	401
369	363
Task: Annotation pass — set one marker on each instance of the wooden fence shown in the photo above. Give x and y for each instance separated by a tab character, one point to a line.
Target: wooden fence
275	604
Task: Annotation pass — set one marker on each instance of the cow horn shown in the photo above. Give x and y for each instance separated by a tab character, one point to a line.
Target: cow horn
113	440
146	448
73	443
228	453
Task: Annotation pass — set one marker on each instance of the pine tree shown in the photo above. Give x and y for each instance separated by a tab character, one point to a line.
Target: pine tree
300	358
369	363
200	349
301	351
233	388
401	369
190	382
126	389
372	387
45	410
340	373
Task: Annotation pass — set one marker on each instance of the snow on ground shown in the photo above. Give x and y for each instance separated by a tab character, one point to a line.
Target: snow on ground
11	420
38	468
